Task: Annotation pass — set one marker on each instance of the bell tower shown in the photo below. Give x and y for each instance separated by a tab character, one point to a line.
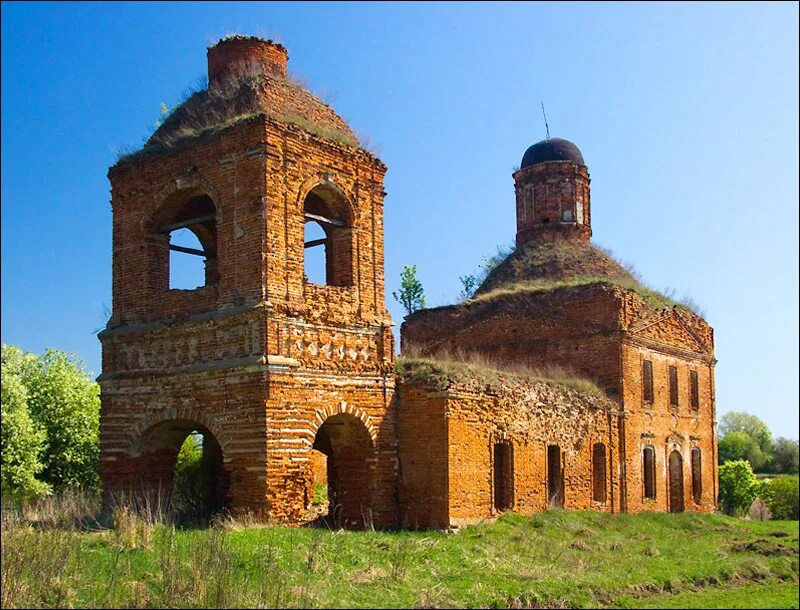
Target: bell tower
552	189
270	367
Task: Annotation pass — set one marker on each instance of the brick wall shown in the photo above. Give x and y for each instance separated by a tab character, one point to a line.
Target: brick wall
458	487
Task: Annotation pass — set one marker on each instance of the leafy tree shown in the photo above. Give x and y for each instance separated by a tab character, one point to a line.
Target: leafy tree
411	295
21	441
786	457
751	425
781	497
739	445
64	403
737	487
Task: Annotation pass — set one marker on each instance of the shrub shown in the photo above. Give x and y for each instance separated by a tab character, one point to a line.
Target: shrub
737	487
781	497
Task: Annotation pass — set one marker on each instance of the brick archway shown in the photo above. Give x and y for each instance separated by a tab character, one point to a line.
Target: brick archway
150	420
151	458
349	448
322	414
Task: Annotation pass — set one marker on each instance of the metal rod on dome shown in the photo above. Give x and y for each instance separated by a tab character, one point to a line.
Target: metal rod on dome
546	126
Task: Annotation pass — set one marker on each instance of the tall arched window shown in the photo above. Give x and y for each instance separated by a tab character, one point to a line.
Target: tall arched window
328	225
599	472
697	475
649	467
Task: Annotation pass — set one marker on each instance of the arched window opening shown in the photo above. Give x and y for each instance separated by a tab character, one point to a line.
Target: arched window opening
649	467
331	261
503	476
675	482
186	271
314	267
349	453
191	230
555	477
697	475
599	472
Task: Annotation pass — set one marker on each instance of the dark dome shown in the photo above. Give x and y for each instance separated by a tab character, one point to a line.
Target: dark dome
552	149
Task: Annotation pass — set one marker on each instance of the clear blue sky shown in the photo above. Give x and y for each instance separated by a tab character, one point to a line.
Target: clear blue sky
687	116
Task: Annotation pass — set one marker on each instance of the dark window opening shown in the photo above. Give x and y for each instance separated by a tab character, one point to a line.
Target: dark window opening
327	248
673	386
649	464
555	477
191	233
599	472
675	482
503	476
694	390
647	380
697	475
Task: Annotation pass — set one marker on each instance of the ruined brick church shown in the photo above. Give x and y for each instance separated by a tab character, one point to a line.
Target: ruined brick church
283	376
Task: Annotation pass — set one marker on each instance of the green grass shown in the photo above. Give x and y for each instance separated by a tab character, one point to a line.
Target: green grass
554	559
761	595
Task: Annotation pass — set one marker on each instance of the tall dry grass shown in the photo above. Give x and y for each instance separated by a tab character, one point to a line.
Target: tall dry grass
48	562
461	365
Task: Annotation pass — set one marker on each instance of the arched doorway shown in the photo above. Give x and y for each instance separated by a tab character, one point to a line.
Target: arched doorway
183	464
676	482
346	443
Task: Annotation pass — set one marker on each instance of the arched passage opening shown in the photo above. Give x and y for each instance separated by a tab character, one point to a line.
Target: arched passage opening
183	463
675	482
327	248
350	462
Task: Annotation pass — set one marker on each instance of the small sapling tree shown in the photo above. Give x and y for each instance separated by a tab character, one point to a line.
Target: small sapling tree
411	295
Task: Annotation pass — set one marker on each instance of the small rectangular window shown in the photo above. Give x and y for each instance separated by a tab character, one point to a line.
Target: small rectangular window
647	380
695	393
673	386
697	475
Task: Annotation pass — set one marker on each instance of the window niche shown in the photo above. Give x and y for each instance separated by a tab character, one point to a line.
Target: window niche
599	472
649	474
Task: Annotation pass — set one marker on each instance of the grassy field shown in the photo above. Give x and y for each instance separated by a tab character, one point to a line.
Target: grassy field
555	559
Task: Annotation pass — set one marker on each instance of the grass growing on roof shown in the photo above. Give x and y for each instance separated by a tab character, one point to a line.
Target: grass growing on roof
652	297
472	368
